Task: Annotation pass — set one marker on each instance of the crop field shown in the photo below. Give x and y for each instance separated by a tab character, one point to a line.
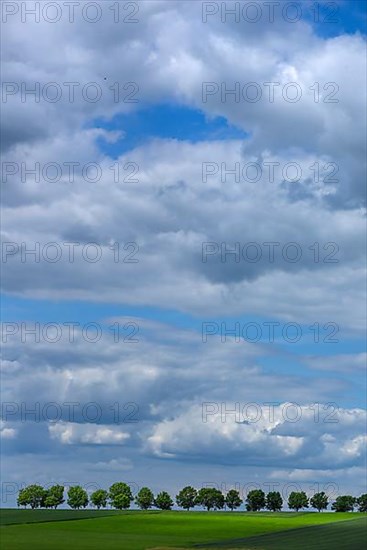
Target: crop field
133	530
11	516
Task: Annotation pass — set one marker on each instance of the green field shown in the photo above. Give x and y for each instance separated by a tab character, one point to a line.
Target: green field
344	535
147	530
11	516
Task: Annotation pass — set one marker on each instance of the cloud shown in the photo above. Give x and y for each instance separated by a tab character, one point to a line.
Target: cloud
5	432
179	52
113	465
171	212
346	363
300	474
303	441
166	370
168	230
85	434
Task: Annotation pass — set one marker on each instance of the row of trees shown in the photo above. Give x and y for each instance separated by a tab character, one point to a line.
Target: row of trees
120	497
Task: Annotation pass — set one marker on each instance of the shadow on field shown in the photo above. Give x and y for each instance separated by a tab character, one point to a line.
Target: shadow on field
342	535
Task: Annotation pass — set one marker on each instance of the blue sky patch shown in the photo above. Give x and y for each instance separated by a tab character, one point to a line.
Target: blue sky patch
165	121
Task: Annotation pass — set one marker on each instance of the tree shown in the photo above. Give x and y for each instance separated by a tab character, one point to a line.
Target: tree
145	498
99	498
34	495
50	502
163	501
297	500
209	498
319	501
186	498
54	496
77	497
120	496
274	501
233	499
362	503
344	503
22	499
255	500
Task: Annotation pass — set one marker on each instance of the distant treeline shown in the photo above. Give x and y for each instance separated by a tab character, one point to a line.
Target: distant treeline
120	497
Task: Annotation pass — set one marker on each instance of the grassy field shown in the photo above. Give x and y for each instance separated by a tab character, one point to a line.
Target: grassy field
158	530
12	516
344	535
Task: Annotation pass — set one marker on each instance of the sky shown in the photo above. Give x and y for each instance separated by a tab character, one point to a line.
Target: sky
183	245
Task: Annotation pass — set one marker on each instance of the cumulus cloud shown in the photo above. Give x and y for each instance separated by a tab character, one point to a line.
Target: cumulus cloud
71	434
6	432
297	438
166	369
179	52
170	212
170	231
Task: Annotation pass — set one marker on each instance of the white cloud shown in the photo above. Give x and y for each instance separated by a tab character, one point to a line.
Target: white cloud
161	217
158	373
84	434
7	433
346	363
294	436
170	212
113	465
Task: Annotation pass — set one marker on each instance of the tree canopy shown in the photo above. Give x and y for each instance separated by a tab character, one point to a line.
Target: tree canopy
274	501
255	500
319	501
145	498
297	500
186	498
77	497
210	498
233	499
120	496
163	501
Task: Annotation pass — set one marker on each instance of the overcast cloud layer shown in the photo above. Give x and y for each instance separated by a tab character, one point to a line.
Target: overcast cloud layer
288	197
